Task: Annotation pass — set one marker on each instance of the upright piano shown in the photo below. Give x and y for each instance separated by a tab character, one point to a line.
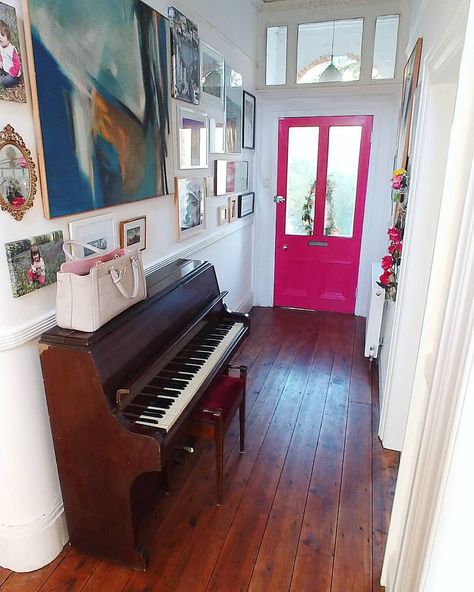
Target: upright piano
119	398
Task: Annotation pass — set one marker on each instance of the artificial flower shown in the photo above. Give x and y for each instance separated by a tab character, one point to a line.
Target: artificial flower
387	262
394	234
386	278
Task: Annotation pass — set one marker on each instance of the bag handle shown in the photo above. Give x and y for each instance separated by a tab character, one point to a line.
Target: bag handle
117	274
71	257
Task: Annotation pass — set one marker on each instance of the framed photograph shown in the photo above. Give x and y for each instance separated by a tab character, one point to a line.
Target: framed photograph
233	110
133	233
104	121
98	231
233	209
209	185
248	126
192	139
12	84
246	204
231	176
34	262
190	207
185	57
212	76
410	82
216	136
222	215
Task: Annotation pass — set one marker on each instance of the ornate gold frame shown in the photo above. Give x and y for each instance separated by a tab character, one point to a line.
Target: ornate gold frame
8	136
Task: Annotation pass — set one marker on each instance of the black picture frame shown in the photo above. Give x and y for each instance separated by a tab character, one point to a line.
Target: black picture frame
246	204
248	120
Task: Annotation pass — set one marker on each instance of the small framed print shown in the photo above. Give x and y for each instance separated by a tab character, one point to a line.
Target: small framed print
133	233
222	215
98	231
248	125
209	184
190	206
233	209
246	204
231	176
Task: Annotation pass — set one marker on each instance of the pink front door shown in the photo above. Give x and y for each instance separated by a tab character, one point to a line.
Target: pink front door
322	180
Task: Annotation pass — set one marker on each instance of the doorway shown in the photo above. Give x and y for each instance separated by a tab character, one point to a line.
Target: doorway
321	186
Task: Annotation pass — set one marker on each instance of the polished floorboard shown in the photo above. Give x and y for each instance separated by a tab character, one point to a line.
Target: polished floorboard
306	507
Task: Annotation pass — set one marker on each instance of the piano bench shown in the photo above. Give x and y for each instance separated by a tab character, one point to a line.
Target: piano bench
215	412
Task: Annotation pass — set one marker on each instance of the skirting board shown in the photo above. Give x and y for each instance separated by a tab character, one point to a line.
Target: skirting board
27	547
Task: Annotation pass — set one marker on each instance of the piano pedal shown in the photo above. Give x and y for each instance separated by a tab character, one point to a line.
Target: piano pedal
183	452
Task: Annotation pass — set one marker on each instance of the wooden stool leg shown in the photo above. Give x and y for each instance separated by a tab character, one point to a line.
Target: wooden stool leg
219	450
242	425
243	376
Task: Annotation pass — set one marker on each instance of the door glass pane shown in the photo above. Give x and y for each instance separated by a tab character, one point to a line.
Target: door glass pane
385	49
301	179
276	55
329	51
341	187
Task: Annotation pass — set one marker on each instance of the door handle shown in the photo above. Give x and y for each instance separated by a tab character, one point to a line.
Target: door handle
278	199
285	247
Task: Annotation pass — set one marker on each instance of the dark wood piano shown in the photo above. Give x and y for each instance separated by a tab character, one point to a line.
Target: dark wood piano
119	398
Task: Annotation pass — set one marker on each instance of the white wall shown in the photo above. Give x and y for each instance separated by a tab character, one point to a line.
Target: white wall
431	518
365	97
32	528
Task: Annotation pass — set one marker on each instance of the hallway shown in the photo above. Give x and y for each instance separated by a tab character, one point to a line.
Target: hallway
306	507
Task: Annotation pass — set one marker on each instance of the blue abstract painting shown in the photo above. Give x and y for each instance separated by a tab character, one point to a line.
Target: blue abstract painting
103	97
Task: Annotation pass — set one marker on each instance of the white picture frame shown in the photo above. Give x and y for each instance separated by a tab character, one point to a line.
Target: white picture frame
217	135
193	134
98	231
190	206
212	76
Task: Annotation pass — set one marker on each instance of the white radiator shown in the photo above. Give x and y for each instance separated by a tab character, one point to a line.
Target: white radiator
374	318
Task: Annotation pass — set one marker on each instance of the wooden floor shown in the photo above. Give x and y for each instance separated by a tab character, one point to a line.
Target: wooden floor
306	507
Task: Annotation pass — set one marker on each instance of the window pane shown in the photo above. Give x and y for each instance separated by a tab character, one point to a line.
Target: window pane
329	51
341	187
276	55
385	49
301	179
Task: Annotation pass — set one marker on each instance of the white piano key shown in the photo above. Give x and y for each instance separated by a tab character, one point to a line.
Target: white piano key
182	400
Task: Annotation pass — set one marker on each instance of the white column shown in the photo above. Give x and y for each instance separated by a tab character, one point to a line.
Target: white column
32	525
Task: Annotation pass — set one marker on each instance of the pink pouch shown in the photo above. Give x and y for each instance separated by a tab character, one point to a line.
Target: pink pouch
83	266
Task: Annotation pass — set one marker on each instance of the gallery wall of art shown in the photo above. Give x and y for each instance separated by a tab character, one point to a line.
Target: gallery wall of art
32	528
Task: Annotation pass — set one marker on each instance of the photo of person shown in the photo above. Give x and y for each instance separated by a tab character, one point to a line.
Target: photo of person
37	271
34	262
12	86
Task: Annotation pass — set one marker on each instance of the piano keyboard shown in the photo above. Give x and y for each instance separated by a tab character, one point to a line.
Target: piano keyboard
160	403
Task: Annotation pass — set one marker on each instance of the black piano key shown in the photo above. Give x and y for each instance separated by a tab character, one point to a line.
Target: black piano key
177	373
170	382
145	401
153	390
193	360
184	367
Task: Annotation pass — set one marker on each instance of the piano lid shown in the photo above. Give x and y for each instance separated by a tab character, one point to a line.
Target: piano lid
159	283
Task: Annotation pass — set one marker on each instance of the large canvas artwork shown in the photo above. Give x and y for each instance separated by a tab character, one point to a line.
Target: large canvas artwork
102	80
185	57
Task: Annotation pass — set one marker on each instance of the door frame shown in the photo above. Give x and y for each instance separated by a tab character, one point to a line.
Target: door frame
383	104
324	123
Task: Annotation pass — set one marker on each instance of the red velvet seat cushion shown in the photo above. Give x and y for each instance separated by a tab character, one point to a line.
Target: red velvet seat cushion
221	394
